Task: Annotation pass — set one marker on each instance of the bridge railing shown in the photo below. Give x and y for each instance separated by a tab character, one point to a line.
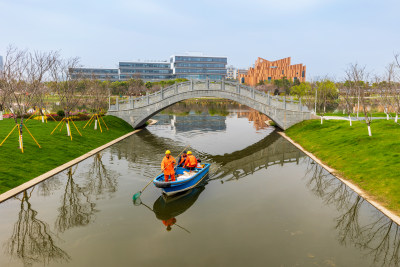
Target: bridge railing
281	102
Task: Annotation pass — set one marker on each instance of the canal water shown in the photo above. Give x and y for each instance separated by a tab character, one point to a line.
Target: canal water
264	203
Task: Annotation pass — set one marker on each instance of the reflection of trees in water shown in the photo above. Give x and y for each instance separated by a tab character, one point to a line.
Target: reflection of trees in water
31	240
380	237
47	187
100	181
76	209
327	186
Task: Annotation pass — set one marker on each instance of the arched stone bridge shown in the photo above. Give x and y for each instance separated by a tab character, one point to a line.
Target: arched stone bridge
136	111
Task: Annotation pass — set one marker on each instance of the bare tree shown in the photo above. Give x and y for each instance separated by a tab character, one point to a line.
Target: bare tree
16	74
98	93
327	92
357	76
382	87
135	86
349	94
42	62
66	84
397	59
22	81
393	87
3	96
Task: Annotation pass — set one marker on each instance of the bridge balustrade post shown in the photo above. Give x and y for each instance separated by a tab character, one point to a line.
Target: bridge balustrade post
300	107
223	84
207	84
191	84
269	99
162	93
148	98
238	88
253	93
117	103
176	88
284	101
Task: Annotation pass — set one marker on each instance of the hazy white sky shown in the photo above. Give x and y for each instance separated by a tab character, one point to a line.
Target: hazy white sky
325	35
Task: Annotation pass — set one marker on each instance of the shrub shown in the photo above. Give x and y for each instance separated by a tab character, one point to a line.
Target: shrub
61	113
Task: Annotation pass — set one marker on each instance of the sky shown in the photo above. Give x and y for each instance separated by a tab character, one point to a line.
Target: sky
325	35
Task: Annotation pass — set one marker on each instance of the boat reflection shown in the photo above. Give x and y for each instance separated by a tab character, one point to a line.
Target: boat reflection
167	209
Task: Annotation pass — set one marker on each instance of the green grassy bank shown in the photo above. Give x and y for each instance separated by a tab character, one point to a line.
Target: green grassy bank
373	163
57	149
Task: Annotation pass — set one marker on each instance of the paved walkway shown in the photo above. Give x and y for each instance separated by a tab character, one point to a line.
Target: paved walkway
352	118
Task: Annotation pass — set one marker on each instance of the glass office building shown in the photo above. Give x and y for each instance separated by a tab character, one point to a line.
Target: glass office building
188	66
97	74
195	66
149	71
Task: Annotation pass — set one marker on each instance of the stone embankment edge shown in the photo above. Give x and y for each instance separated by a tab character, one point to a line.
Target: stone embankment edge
41	178
354	187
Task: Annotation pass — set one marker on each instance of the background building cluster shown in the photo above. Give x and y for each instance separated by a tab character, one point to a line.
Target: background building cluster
188	66
198	67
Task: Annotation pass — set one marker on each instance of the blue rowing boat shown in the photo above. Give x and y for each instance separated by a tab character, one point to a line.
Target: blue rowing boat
185	180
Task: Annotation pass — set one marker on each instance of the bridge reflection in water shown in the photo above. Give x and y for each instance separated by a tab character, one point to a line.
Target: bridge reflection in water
271	150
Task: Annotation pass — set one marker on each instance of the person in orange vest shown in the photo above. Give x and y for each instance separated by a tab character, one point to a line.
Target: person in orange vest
191	161
169	223
167	165
182	159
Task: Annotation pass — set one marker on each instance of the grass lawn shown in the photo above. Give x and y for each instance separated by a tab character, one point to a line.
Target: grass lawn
373	163
57	149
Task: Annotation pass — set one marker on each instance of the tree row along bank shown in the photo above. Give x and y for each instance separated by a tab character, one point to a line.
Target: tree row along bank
371	163
56	149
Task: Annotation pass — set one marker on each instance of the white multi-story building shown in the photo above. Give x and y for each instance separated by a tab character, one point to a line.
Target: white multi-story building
231	72
188	66
197	66
147	70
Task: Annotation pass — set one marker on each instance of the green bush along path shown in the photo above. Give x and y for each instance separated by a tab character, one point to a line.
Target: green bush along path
372	163
57	149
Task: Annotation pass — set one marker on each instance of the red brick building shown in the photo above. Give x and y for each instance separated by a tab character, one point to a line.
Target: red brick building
268	71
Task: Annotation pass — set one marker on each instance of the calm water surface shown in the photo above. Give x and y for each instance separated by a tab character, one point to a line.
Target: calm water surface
264	204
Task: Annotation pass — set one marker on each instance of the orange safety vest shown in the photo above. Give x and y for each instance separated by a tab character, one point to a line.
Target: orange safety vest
169	222
191	161
183	159
168	164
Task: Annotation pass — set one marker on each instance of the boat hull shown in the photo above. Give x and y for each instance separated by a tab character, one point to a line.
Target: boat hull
172	188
